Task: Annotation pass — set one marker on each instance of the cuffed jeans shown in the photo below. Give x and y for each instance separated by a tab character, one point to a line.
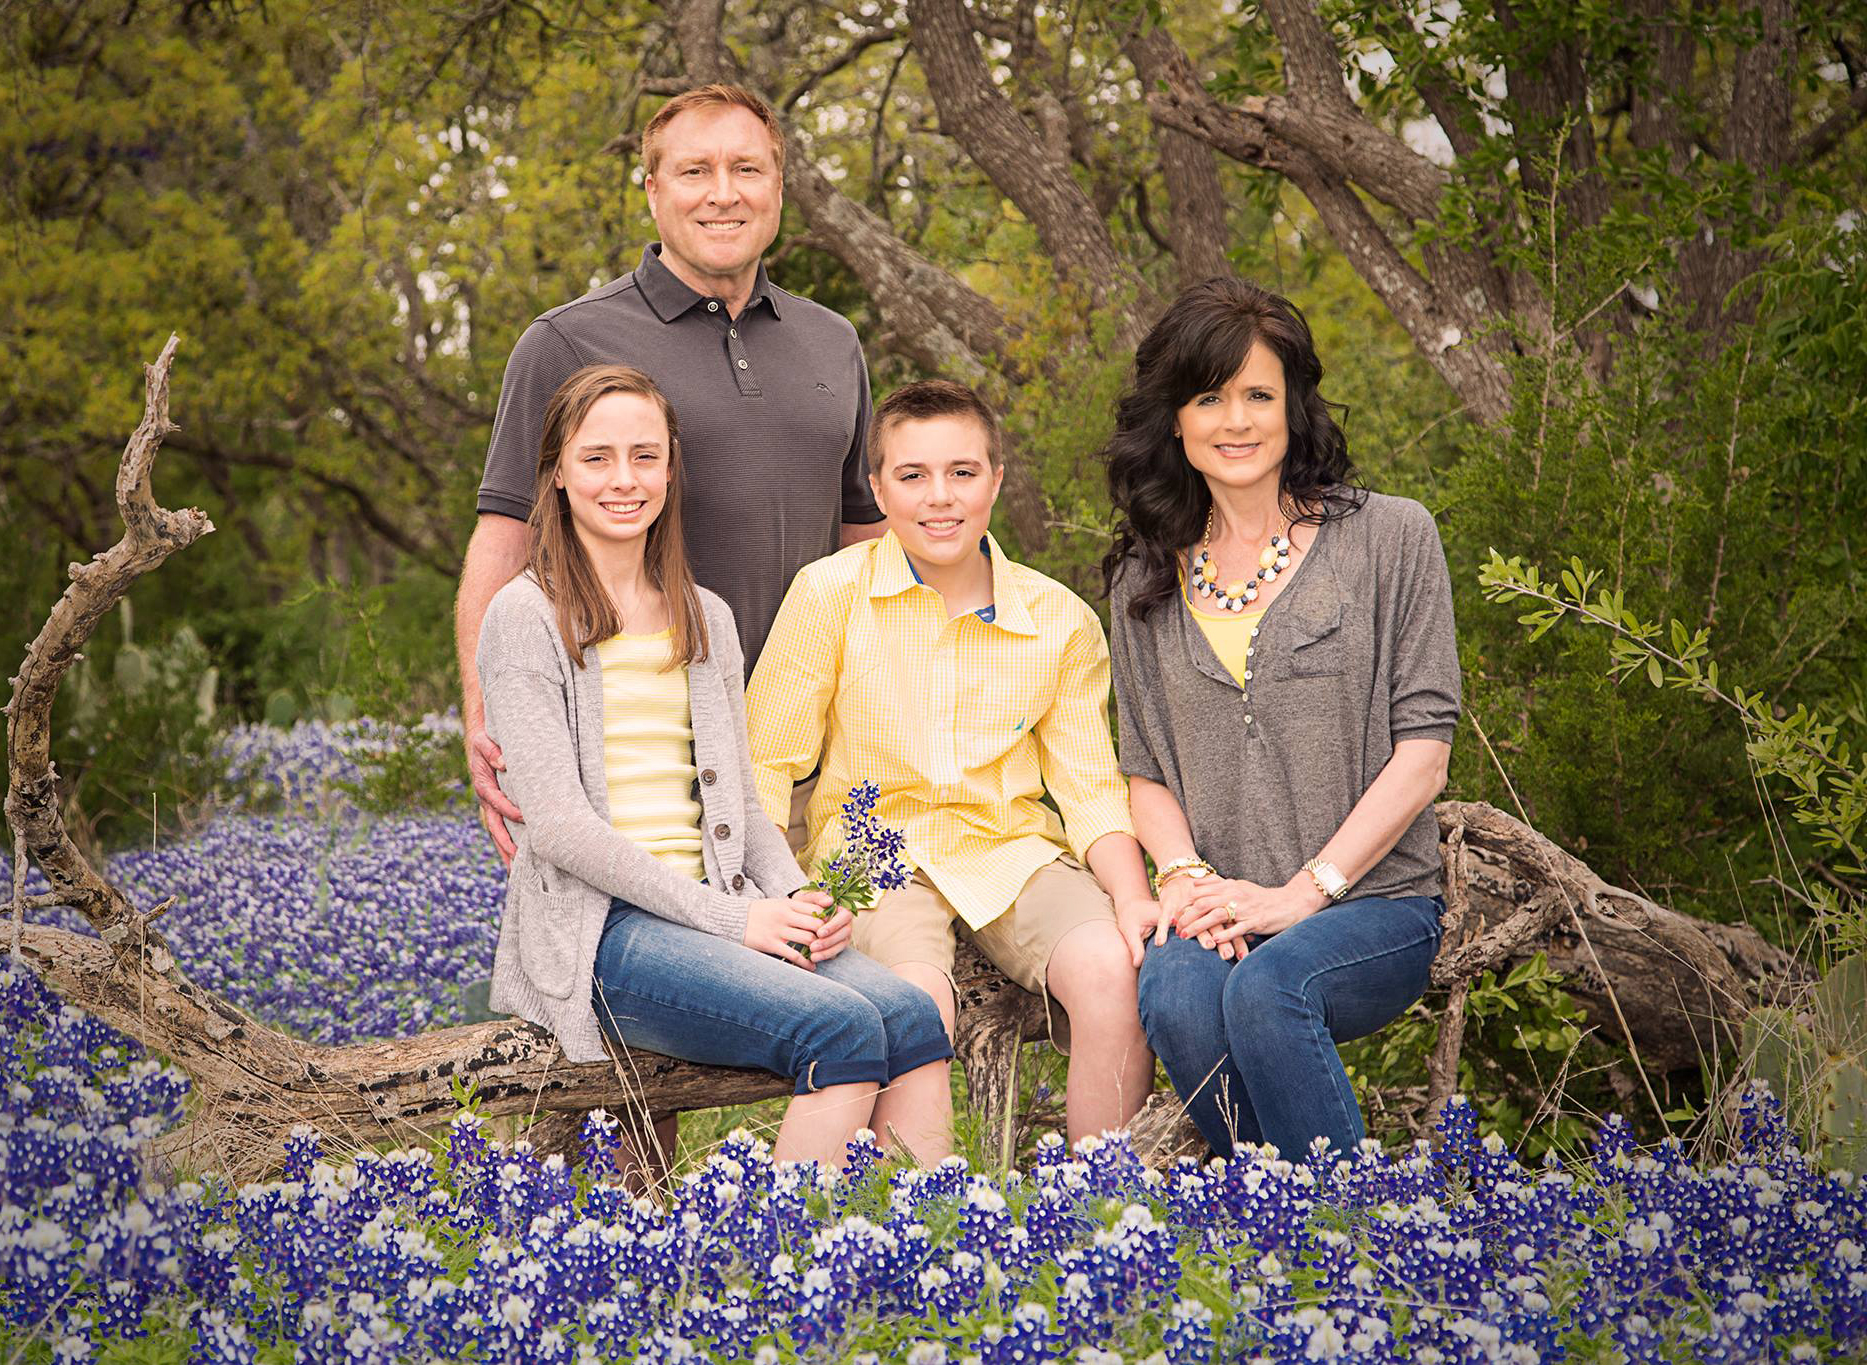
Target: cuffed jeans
686	993
1250	1044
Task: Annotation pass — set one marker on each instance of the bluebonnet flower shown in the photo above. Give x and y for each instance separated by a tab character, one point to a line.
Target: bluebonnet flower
869	862
488	1250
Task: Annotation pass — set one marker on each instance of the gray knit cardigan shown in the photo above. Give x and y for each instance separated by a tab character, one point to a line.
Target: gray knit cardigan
547	718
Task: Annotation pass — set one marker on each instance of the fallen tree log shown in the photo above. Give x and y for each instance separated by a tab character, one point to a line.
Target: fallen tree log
1674	988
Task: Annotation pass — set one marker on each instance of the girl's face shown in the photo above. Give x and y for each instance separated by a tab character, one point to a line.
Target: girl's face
1237	434
614	470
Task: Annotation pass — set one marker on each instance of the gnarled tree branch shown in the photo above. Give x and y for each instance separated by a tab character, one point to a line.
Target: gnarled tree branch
151	533
976	115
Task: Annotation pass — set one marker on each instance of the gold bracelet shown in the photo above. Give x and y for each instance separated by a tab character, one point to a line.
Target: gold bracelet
1178	866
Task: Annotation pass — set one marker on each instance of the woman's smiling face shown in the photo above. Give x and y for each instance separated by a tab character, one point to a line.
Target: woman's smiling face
1237	434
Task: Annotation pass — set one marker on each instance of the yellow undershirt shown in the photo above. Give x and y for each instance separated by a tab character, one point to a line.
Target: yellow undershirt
648	750
1229	635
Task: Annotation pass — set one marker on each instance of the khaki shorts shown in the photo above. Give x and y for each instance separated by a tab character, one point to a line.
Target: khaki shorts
917	924
797	834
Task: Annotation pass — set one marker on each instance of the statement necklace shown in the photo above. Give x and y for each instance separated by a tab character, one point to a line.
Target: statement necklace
1273	559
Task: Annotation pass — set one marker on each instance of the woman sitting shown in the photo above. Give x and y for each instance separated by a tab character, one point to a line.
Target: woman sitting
1287	682
649	900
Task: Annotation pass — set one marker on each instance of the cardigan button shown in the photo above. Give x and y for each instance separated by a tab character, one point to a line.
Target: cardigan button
722	831
738	881
708	777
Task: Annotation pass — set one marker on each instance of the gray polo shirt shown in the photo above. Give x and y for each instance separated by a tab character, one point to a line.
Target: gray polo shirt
1355	655
774	415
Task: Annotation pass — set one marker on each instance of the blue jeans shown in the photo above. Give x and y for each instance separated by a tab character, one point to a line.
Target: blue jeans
1250	1044
686	993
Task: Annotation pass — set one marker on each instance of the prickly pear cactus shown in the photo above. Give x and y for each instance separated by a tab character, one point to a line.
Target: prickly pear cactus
1815	1059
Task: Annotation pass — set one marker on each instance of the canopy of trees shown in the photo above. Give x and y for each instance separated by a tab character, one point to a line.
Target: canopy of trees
1589	281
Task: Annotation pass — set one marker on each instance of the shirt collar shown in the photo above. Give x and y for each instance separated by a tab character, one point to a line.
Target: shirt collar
671	296
893	575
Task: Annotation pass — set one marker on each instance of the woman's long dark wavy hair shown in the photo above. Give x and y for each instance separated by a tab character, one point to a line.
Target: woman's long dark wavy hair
1199	343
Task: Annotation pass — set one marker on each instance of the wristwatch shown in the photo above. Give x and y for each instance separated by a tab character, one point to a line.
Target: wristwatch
1328	878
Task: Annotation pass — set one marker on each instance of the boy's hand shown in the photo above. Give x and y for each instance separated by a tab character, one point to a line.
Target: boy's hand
1137	919
834	936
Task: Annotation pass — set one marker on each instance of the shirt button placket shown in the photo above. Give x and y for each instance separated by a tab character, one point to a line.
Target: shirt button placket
1245	694
741	365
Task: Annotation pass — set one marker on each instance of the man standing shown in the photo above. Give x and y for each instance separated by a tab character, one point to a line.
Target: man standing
770	388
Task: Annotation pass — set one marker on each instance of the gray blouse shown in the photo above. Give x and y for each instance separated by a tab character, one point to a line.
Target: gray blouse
1357	653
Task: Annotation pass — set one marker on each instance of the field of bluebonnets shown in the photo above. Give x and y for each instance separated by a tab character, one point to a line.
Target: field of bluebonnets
475	1249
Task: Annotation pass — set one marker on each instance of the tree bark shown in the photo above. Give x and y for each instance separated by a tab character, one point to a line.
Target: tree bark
1009	151
1673	987
1196	229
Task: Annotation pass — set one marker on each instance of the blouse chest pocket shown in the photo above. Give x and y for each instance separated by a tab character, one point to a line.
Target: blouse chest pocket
1318	646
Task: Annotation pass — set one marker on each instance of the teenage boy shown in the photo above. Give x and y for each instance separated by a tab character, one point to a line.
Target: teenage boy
966	687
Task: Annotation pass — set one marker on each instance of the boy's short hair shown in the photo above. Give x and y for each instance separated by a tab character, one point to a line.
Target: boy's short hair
929	398
715	96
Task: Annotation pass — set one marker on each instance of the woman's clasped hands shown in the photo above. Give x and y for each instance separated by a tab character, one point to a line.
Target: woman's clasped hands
1220	911
784	927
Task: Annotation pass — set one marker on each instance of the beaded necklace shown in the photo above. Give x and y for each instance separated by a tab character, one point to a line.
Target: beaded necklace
1273	559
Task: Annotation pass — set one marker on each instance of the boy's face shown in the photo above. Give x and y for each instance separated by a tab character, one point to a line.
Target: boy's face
937	487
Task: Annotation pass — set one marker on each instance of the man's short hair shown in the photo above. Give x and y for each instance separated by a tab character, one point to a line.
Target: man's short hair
716	96
926	399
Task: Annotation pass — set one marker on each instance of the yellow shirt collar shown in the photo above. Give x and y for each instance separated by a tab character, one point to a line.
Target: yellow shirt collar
891	574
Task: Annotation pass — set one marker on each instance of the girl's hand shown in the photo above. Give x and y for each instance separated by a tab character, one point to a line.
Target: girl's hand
1223	910
833	935
811	895
774	926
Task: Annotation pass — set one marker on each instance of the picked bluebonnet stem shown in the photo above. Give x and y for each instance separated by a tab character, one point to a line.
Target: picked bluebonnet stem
868	863
870	860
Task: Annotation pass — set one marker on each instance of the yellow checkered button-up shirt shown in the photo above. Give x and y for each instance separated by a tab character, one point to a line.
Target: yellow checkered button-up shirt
963	724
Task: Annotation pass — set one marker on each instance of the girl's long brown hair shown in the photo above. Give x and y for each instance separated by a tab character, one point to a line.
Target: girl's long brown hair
585	614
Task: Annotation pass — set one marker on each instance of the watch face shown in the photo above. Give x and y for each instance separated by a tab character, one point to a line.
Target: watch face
1331	878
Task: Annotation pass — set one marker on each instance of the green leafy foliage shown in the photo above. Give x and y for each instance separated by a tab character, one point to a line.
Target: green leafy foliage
406	765
1528	1065
136	729
1805	757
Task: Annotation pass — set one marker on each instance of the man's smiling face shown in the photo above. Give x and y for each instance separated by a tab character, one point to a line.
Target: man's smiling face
716	195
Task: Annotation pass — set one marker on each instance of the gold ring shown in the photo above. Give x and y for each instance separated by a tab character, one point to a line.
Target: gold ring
1231	912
